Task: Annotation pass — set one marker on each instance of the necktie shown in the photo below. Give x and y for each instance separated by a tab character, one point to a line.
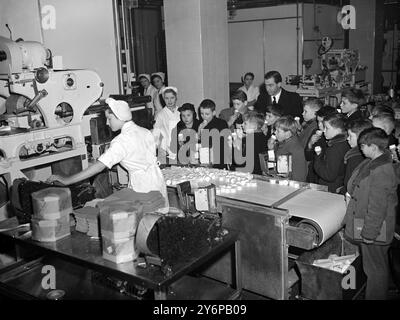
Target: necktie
274	102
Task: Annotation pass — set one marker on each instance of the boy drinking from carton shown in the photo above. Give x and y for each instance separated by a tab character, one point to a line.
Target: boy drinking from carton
251	145
310	124
211	125
273	113
317	140
329	165
286	129
372	200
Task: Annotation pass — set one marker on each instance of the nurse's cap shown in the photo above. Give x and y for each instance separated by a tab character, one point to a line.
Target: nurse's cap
174	89
160	75
120	109
144	75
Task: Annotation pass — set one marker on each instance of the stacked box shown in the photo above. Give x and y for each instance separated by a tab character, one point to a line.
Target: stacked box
118	251
118	223
51	209
50	230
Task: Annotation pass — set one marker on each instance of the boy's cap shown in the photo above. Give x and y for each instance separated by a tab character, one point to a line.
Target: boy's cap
120	109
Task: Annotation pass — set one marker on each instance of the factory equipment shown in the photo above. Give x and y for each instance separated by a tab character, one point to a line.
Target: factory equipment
41	109
281	223
340	68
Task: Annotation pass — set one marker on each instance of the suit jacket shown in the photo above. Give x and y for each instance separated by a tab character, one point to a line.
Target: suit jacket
291	102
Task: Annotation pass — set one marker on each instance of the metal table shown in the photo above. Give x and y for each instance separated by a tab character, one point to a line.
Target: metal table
80	249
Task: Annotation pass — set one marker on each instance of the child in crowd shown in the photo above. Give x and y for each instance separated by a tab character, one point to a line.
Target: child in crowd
273	113
386	122
286	129
252	144
329	165
353	157
234	116
380	109
310	125
317	140
209	123
185	131
372	199
351	101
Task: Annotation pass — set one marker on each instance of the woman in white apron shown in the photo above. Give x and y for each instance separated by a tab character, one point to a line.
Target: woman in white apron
134	148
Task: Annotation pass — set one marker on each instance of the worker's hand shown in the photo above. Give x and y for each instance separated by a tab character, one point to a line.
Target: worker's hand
56	179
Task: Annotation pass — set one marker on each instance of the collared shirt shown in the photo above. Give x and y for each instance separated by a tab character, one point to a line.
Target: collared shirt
252	93
166	120
134	148
277	97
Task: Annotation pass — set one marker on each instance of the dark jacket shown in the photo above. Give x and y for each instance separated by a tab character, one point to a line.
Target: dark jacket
373	190
175	146
355	116
310	154
291	102
218	155
393	140
259	146
352	159
309	128
329	165
299	165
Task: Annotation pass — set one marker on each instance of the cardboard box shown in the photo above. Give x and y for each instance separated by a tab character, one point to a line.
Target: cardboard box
118	221
323	284
51	203
50	230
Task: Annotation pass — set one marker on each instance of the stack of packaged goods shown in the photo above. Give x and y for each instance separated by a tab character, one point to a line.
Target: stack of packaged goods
87	221
119	217
51	209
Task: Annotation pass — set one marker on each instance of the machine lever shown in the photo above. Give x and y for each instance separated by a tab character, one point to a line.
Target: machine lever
40	95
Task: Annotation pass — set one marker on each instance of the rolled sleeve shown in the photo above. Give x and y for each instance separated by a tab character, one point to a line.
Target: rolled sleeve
115	154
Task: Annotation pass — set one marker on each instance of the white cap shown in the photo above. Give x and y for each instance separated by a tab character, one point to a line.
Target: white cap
174	89
120	109
144	75
159	74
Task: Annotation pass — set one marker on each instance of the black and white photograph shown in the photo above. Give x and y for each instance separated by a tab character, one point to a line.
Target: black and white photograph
199	158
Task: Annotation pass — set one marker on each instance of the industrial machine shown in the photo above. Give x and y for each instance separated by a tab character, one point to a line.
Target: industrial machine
340	68
41	109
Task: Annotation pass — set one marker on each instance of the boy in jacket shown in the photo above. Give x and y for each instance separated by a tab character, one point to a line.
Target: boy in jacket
372	196
286	129
329	165
354	157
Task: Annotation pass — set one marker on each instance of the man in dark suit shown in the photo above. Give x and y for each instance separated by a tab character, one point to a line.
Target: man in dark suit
273	93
